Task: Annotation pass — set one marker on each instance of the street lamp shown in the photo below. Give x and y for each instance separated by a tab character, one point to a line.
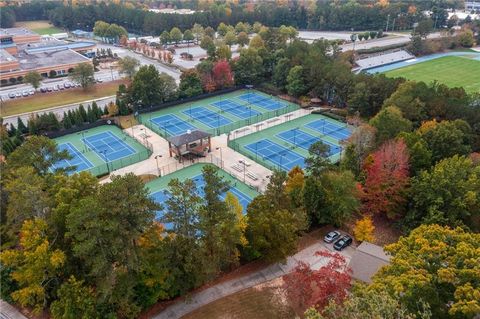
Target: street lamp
104	153
158	167
221	156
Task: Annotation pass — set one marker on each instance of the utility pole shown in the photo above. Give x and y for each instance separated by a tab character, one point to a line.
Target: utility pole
388	20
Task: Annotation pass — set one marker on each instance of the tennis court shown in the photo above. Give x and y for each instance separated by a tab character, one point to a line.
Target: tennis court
286	145
207	117
262	101
159	187
100	150
172	124
237	109
217	115
77	160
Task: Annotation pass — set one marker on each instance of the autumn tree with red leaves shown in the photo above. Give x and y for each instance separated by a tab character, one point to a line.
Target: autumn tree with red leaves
307	288
222	74
386	179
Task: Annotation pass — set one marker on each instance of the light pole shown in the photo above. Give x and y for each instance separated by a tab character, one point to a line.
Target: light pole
244	170
158	167
83	139
104	153
221	156
256	149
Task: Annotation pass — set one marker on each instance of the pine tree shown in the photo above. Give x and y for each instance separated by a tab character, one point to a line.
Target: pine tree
78	118
21	126
12	130
83	113
90	115
67	123
97	111
105	110
33	125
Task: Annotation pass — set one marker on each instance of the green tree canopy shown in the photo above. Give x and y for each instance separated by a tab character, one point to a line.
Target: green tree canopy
83	75
389	122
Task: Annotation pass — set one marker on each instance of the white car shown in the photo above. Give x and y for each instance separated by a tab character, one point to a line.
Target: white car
31	92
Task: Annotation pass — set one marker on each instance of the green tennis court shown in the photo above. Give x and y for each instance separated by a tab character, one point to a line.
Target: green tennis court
100	150
158	186
217	115
286	145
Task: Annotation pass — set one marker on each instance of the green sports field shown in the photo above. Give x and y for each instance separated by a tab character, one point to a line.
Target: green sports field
454	71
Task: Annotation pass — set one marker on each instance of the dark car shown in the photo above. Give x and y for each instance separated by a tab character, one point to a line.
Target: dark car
343	243
331	236
43	90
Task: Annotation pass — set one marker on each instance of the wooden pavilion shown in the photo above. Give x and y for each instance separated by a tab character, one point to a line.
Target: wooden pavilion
197	143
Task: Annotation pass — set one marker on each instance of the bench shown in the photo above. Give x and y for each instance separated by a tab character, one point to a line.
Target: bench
252	176
273	120
237	167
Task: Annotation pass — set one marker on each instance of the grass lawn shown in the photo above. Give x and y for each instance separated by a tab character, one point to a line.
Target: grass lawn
450	70
262	301
41	27
41	101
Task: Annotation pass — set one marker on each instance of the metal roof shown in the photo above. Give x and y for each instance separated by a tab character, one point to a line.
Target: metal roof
188	137
367	260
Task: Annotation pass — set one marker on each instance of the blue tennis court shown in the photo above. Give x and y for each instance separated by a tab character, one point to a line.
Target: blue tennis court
172	124
304	140
325	127
275	153
262	101
207	117
108	146
78	160
162	196
236	109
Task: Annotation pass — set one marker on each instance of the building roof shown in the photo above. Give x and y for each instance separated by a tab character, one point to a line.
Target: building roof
16	32
367	260
188	137
55	45
6	57
49	59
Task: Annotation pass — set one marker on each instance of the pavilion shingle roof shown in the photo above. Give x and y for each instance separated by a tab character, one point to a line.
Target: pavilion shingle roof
187	138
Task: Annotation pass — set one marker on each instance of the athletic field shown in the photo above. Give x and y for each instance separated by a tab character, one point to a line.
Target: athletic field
286	145
453	71
100	150
216	115
159	187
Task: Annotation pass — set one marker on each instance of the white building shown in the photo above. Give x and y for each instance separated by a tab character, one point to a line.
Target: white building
472	5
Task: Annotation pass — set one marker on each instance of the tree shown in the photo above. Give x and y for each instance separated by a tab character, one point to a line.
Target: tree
128	66
83	75
296	85
222	74
435	264
306	288
104	229
165	38
294	185
446	138
37	265
209	32
418	152
230	38
33	78
21	126
248	68
317	161
242	39
466	39
387	179
190	84
363	230
188	36
197	31
368	304
448	194
424	28
176	35
222	29
74	300
149	87
332	197
208	45
38	152
408	99
389	122
223	52
257	42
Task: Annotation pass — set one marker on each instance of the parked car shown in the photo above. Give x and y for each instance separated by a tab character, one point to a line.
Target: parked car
99	80
43	90
343	243
49	89
331	236
11	95
66	85
55	87
31	92
25	93
18	94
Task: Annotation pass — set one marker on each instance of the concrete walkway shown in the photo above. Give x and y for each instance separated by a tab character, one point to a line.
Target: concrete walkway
271	272
7	311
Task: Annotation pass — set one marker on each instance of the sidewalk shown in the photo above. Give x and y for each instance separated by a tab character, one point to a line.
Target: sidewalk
7	311
276	270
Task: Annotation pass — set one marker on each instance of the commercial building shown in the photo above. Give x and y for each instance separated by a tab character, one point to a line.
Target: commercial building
472	5
22	51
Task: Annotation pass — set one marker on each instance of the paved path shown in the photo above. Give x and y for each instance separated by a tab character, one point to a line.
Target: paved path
271	272
8	311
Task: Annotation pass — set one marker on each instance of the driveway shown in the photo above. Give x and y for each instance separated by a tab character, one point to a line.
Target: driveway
271	272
